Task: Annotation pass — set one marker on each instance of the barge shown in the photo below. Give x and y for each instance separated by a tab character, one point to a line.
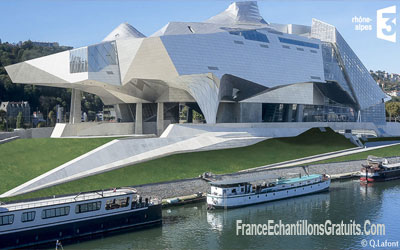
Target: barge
379	169
30	223
247	191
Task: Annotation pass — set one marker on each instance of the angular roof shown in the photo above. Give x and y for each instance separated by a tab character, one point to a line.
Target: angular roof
239	13
124	30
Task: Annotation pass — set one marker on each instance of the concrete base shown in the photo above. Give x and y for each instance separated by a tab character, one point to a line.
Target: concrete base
104	129
93	129
28	133
283	129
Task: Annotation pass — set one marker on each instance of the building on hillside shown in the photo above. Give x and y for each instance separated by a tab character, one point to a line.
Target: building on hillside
394	93
13	109
46	44
234	67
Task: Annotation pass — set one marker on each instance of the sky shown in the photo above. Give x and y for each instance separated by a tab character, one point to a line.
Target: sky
80	23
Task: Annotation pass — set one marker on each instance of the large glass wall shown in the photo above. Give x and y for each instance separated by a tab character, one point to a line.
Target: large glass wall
375	114
93	58
329	112
332	70
102	55
78	60
365	90
100	61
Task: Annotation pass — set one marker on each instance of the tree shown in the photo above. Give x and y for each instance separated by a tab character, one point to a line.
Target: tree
393	109
197	116
20	120
3	117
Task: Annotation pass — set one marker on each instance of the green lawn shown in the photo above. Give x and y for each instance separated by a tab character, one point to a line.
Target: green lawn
24	159
190	165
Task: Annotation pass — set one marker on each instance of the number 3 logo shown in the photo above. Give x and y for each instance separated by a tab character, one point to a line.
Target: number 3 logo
386	24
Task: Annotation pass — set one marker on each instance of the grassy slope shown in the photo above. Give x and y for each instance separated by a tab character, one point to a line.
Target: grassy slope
24	159
190	165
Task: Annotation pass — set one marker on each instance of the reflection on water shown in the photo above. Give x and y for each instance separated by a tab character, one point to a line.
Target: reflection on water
193	227
218	218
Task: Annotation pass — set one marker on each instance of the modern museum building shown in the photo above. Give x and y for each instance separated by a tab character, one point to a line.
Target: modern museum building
235	67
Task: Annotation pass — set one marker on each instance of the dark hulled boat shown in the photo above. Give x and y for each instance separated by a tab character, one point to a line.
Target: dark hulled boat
379	169
25	224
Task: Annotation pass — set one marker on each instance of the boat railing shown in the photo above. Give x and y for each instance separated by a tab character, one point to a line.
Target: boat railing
59	201
155	201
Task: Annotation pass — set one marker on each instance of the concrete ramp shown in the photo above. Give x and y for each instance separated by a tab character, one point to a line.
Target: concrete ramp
125	152
58	130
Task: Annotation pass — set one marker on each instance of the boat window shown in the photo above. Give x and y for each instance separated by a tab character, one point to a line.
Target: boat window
234	190
88	207
55	212
28	216
6	220
242	189
117	203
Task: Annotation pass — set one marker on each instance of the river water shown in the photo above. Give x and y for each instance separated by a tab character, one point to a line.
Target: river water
193	227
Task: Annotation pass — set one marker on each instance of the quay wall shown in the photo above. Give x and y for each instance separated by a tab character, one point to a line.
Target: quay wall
191	186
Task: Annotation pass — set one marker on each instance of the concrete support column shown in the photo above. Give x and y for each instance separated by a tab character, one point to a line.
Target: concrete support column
139	119
75	115
190	115
288	112
299	112
160	118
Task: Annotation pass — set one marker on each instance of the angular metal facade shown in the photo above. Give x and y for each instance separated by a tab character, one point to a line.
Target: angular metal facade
232	52
341	64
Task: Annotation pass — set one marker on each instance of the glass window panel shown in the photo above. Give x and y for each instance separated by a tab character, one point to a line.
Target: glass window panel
78	60
298	42
102	55
253	35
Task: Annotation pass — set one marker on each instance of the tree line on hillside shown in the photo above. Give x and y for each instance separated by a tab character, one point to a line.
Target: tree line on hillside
40	98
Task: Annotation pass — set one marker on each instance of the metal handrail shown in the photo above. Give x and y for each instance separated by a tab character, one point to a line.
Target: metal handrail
58	201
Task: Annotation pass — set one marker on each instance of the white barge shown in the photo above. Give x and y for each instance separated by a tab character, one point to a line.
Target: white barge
247	191
29	223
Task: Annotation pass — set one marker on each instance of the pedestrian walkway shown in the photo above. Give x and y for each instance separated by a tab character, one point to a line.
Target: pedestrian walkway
320	157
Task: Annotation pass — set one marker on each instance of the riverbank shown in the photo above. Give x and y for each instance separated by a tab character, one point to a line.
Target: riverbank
172	189
170	168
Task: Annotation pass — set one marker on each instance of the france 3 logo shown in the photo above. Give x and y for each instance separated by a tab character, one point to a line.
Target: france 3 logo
386	24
